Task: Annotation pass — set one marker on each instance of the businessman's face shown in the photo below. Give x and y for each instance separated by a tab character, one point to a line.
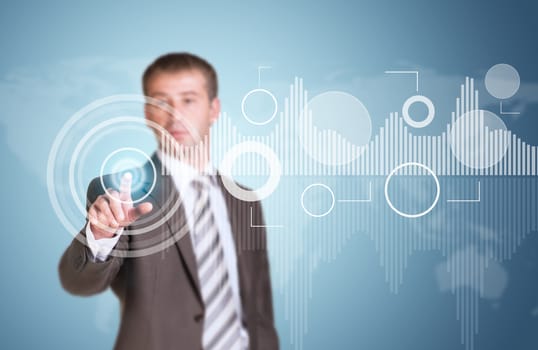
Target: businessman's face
186	92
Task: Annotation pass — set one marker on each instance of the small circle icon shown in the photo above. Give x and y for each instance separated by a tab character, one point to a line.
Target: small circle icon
502	81
418	99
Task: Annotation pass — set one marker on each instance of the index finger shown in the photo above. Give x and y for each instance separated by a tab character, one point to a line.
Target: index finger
125	187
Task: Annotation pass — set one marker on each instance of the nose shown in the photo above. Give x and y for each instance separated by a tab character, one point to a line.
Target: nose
177	111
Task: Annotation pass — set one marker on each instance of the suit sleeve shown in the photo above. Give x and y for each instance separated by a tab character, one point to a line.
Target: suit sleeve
80	273
267	337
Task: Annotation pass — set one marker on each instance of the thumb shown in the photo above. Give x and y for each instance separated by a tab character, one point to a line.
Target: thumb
142	209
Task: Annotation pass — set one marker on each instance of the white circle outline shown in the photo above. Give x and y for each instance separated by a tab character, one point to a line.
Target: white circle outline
136	150
412	216
53	153
77	150
250	147
245	113
308	211
429	105
78	202
62	135
87	136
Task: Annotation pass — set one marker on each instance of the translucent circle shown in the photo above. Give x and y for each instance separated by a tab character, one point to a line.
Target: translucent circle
271	184
414	99
104	126
502	81
64	156
417	215
128	149
322	186
163	217
258	91
478	139
337	120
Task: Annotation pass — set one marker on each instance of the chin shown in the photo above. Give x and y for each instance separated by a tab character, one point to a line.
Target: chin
185	140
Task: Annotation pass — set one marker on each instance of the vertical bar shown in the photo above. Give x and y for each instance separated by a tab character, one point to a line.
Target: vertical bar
400	136
490	150
407	148
527	172
443	153
518	156
476	118
482	136
497	152
428	160
385	144
450	143
389	143
533	161
415	158
438	154
510	150
376	161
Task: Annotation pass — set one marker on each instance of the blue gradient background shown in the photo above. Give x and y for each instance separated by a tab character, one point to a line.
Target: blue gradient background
57	57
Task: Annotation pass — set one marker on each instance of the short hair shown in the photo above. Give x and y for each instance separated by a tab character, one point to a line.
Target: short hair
180	61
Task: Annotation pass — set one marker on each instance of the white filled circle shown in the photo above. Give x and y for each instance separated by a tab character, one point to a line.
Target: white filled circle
334	119
502	81
479	139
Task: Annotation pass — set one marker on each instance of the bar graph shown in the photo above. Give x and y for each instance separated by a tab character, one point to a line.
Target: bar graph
502	153
469	146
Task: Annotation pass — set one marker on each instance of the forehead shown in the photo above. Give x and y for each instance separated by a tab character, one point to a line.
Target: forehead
177	82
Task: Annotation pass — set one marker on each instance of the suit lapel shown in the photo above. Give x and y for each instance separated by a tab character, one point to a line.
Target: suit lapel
165	195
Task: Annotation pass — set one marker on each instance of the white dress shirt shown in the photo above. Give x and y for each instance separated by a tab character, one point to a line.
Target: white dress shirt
183	174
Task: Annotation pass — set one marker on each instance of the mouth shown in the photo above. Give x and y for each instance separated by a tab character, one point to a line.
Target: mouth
178	133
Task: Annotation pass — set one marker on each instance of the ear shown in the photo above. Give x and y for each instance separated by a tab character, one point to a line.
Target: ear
214	110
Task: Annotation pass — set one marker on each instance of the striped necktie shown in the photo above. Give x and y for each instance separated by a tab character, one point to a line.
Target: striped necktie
221	322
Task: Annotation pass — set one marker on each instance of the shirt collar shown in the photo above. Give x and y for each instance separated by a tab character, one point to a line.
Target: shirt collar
182	172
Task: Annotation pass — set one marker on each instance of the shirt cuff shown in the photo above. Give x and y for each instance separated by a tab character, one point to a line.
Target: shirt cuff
101	248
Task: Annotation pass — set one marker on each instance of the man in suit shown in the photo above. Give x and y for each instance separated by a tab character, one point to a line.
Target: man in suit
178	261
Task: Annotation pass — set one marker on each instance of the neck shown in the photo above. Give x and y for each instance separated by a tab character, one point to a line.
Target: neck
198	156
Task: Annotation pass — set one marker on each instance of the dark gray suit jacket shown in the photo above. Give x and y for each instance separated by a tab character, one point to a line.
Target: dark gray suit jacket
159	293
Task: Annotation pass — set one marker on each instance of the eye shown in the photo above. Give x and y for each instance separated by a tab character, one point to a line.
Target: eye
188	100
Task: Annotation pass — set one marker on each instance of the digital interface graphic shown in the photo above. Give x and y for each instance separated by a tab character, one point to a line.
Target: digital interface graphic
468	192
387	149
